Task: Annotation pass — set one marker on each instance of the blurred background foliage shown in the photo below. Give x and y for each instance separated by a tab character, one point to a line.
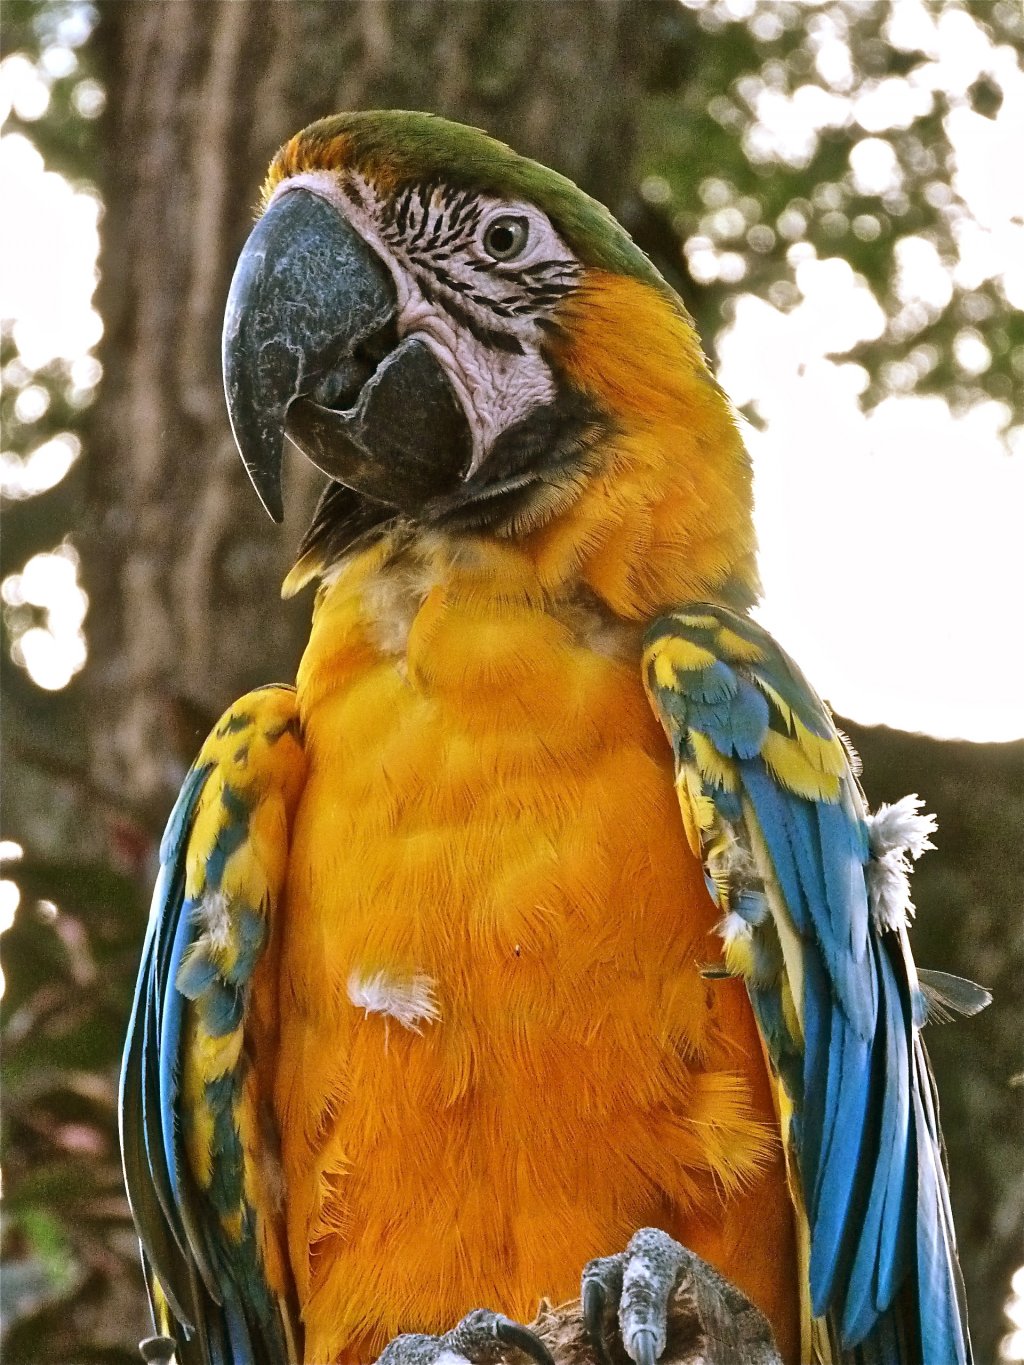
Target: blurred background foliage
703	180
860	168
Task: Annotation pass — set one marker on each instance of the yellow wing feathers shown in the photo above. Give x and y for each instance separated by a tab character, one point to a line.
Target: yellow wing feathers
235	867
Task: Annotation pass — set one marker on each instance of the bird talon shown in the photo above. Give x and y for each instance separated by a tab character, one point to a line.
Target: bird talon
638	1287
600	1291
643	1346
158	1350
515	1334
593	1301
477	1338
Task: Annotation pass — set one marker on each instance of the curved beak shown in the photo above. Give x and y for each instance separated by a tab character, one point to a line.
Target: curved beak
310	350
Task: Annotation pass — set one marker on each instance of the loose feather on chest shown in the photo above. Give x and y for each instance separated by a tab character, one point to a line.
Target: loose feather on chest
491	902
492	910
489	808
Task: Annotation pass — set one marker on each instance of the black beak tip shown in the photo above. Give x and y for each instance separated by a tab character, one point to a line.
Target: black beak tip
259	437
306	288
272	502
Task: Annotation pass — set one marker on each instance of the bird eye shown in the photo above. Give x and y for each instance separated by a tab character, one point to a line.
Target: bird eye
505	238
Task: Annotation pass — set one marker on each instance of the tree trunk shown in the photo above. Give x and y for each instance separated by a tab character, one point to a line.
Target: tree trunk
181	567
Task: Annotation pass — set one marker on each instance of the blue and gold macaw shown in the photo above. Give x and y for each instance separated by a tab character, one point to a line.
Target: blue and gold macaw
546	907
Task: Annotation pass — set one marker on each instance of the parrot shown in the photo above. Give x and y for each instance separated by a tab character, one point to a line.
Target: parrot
539	941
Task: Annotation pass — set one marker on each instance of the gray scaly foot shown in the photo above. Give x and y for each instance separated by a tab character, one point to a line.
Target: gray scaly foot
480	1338
629	1295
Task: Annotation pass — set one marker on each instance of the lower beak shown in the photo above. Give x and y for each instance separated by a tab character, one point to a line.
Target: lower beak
310	350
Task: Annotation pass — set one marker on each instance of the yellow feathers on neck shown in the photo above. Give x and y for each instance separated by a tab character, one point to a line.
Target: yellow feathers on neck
668	517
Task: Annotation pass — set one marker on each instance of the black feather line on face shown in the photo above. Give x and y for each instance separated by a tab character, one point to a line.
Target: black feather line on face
431	223
550	448
424	194
342	518
397	211
353	191
464	218
497	341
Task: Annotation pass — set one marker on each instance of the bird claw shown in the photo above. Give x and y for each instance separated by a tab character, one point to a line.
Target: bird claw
480	1338
600	1292
636	1287
515	1334
625	1302
157	1350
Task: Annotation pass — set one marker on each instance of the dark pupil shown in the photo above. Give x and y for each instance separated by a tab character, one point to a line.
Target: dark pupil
502	239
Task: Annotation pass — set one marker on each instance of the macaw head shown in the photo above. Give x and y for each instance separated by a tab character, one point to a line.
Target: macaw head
463	340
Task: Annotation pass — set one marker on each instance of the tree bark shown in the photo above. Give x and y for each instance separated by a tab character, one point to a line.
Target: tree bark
181	568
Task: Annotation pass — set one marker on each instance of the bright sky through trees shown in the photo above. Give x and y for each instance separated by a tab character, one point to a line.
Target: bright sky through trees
892	553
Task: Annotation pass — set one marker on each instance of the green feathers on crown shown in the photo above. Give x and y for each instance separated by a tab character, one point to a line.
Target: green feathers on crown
410	146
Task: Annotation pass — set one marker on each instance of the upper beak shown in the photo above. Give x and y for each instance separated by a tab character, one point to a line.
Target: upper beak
310	350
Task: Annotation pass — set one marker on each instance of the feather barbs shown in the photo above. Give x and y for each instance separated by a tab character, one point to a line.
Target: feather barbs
822	947
898	835
412	1001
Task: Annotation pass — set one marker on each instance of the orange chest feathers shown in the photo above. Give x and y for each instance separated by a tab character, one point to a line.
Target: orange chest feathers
497	1055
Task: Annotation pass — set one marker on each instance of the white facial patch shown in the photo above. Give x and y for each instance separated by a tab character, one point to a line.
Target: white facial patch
494	389
412	1002
477	314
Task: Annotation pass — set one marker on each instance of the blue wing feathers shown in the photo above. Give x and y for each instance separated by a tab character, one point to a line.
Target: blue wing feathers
736	723
715	684
870	1283
162	1246
883	1263
818	854
832	1209
843	855
938	1275
212	1327
772	817
146	1168
817	1025
895	1238
170	1036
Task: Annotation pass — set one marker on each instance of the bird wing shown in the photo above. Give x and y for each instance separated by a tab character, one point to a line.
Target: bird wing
814	898
196	1138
